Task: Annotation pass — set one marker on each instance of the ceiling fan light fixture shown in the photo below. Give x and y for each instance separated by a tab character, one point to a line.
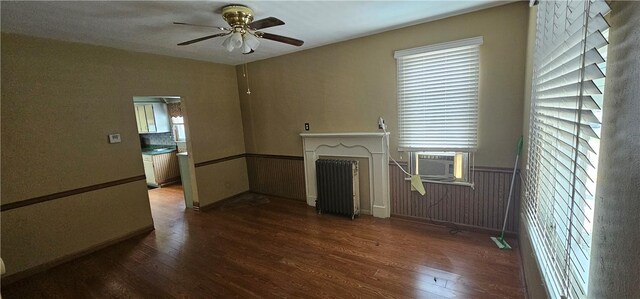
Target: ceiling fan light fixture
236	39
251	41
227	44
243	32
246	49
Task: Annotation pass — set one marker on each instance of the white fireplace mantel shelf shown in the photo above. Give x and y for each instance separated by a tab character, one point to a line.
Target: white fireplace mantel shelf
370	145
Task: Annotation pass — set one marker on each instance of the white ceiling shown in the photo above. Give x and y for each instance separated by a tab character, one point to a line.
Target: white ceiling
146	26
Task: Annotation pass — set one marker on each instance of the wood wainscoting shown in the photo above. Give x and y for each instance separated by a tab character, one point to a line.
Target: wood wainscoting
481	208
276	175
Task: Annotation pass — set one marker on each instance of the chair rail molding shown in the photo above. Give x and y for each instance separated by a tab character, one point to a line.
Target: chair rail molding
370	145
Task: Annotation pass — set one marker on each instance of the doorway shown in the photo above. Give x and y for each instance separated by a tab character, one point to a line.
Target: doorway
164	144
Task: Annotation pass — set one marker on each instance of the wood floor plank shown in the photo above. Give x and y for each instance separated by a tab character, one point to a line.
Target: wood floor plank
265	247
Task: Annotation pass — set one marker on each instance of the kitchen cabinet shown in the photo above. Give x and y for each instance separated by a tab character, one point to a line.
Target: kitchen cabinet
161	169
152	118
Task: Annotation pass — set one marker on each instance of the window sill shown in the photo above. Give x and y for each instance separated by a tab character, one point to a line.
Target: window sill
446	183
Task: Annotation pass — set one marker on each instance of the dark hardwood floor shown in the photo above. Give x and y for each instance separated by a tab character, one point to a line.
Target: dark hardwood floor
269	247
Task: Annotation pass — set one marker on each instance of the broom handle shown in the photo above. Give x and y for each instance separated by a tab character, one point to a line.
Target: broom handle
513	179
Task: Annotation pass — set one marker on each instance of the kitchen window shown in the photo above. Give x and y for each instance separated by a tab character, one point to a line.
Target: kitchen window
177	124
438	108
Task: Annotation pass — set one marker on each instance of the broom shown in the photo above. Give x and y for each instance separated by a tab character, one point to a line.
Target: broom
500	241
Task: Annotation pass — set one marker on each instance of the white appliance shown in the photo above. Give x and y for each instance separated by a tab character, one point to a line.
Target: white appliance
435	165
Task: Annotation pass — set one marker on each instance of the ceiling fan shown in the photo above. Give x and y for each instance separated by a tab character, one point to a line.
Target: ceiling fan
243	31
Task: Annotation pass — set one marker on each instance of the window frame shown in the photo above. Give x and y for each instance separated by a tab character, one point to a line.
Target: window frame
448	50
560	181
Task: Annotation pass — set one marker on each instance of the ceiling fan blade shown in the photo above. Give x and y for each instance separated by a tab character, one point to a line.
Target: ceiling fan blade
265	23
187	24
202	38
282	39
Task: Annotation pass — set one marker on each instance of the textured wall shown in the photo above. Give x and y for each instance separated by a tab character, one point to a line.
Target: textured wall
615	257
224	179
45	232
345	87
59	102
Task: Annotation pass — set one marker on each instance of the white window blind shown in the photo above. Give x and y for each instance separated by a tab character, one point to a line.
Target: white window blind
438	96
568	82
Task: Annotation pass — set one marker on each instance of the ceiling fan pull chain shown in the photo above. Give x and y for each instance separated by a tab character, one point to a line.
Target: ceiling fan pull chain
245	74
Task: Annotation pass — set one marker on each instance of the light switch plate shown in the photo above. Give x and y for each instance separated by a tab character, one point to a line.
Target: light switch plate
114	138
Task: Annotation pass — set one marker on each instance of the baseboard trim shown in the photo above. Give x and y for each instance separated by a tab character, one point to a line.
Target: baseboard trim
219	203
40	199
67	258
466	227
170	182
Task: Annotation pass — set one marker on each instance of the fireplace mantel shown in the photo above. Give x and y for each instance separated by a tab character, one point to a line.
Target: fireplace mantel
370	145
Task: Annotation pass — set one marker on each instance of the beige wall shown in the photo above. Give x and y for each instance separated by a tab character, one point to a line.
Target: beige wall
345	86
59	102
224	180
45	232
528	72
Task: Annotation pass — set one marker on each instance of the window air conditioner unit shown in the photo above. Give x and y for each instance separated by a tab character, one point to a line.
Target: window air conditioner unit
435	165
